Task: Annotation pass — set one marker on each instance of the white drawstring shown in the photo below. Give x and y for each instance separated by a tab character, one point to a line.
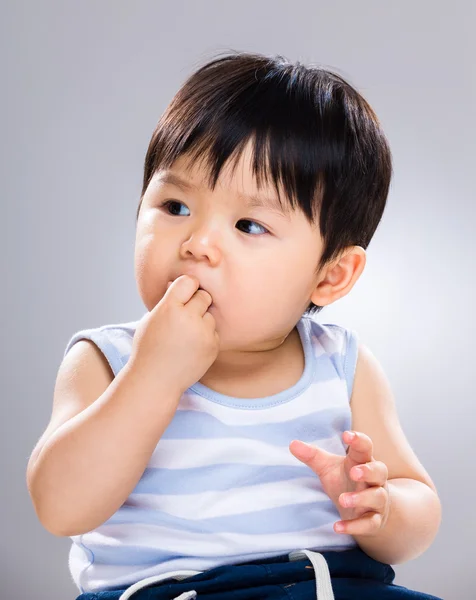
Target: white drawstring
179	575
187	595
321	573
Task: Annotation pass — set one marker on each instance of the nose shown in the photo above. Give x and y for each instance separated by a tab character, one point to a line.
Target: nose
202	244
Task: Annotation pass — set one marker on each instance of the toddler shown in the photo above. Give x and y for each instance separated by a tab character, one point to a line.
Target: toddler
227	445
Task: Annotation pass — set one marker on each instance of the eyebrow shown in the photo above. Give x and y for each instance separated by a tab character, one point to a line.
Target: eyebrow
251	200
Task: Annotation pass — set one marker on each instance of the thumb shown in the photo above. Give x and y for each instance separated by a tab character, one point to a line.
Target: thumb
316	458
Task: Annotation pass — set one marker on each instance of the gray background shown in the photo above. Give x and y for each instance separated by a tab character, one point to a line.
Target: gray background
83	86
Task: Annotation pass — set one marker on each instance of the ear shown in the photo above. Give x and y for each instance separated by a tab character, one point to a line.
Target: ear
339	277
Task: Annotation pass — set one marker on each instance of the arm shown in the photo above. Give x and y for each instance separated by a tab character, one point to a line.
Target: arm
415	509
102	433
412	525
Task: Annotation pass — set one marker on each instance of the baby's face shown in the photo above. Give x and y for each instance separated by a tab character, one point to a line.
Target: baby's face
257	265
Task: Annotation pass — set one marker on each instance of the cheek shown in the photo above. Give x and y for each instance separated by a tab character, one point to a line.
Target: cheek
148	264
147	250
284	286
257	288
141	258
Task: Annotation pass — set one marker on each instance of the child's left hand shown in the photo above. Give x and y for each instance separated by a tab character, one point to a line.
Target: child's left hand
339	475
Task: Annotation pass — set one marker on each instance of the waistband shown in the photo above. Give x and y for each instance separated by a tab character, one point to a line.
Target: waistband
347	563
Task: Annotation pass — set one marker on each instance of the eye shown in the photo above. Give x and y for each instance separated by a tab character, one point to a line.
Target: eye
254	223
169	203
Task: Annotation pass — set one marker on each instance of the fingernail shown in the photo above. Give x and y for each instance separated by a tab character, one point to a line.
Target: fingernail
351	435
350	500
358	473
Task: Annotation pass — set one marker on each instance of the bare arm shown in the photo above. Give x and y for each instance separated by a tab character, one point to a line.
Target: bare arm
411	528
102	433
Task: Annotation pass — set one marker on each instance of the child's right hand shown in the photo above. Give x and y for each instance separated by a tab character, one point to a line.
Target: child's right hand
177	338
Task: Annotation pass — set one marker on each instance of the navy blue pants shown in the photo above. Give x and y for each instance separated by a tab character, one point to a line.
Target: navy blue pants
354	576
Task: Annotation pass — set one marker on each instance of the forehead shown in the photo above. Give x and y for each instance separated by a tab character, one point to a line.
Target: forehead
236	174
235	178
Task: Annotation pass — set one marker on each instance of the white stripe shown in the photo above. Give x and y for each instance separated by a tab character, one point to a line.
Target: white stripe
234	501
321	395
188	454
208	546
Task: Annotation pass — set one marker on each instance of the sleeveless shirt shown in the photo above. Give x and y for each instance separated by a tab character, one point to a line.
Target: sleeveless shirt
221	486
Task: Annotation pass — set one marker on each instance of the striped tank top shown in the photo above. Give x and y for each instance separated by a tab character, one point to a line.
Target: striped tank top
221	486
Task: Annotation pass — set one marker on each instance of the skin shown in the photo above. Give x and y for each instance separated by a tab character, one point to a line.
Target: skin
357	483
260	274
261	283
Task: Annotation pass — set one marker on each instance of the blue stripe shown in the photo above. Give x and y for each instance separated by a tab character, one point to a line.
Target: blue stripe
121	555
336	359
328	366
284	519
192	424
216	478
134	555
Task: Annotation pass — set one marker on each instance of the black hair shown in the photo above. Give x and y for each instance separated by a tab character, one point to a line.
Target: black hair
313	133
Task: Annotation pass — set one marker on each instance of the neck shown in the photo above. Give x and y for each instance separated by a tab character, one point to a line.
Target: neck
236	365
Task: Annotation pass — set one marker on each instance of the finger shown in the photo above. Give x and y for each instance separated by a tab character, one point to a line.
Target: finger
200	301
360	446
182	289
209	319
373	498
317	459
373	473
368	524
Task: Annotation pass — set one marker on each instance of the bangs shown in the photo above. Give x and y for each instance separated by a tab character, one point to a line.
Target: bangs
297	127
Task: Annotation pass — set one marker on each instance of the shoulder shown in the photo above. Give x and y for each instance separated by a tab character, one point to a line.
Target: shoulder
112	341
374	413
84	374
91	360
340	344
